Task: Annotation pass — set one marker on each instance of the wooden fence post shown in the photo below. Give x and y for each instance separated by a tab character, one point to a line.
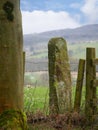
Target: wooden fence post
90	90
59	75
79	85
23	65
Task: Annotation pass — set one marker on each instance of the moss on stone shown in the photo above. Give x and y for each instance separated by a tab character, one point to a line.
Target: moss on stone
59	74
53	101
13	120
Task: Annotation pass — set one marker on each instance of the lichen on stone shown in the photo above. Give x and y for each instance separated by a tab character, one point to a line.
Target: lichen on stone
59	66
14	120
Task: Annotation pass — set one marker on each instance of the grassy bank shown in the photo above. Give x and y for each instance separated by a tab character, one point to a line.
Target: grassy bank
37	99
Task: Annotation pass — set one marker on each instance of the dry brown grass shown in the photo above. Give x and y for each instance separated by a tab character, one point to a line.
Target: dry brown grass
67	121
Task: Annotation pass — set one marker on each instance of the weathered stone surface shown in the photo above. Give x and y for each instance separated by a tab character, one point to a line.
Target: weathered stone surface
11	66
59	73
11	57
13	120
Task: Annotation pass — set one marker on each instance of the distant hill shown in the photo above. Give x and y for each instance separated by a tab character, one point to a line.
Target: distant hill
78	39
80	34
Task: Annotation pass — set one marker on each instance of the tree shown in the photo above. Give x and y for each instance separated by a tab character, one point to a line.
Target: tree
11	65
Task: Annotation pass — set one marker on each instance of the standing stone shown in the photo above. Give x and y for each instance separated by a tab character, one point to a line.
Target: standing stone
59	74
11	61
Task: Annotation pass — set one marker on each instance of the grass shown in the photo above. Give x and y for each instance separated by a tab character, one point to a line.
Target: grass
36	103
36	99
79	49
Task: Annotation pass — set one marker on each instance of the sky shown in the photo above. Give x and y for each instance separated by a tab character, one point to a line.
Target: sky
45	15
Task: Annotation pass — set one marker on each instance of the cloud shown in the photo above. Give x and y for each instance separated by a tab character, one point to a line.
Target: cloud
40	21
90	11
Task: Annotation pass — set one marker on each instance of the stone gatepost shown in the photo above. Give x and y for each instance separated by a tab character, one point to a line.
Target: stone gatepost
59	76
12	116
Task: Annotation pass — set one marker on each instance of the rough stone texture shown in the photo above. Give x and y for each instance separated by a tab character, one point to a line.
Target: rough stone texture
11	66
13	120
59	74
11	56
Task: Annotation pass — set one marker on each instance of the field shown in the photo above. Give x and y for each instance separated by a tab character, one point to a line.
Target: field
76	50
38	60
36	106
37	99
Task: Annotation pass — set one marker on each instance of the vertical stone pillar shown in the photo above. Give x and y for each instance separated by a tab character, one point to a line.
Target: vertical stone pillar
11	56
59	73
11	67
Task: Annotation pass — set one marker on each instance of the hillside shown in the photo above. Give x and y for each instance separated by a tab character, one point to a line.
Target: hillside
77	39
80	34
